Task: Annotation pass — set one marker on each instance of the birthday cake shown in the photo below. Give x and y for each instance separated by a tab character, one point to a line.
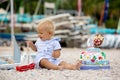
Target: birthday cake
94	57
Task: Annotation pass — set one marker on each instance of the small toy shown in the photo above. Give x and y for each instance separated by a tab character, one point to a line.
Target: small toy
26	62
25	67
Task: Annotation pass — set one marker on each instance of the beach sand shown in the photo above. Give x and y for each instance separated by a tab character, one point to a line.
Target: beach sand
70	55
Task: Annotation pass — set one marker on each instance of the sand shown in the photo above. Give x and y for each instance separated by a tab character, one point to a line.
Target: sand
69	55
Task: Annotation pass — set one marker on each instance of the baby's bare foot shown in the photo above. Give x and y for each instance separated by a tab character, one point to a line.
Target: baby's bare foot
78	64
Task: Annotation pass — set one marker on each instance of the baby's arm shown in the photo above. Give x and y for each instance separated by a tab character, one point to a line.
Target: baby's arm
56	53
32	45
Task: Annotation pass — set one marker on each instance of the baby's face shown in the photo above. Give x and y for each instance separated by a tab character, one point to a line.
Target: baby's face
44	35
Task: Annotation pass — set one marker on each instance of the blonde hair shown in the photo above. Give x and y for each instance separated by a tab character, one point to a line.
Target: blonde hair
47	25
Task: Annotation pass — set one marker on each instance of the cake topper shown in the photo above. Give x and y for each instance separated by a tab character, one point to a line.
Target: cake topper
98	40
95	41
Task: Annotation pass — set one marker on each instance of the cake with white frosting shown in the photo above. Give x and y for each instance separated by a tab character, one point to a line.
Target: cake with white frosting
93	57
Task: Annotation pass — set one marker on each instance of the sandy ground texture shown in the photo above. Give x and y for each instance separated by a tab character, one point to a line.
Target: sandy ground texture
70	55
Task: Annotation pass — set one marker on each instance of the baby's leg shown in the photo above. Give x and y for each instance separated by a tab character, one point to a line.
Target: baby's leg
71	66
47	64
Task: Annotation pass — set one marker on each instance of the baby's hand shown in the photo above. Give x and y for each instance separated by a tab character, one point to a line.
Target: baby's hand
56	54
29	43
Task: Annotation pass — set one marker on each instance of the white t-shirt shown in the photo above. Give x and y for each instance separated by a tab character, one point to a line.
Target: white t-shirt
46	48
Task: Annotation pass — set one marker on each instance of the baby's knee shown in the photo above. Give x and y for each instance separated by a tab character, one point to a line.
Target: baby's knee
43	62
